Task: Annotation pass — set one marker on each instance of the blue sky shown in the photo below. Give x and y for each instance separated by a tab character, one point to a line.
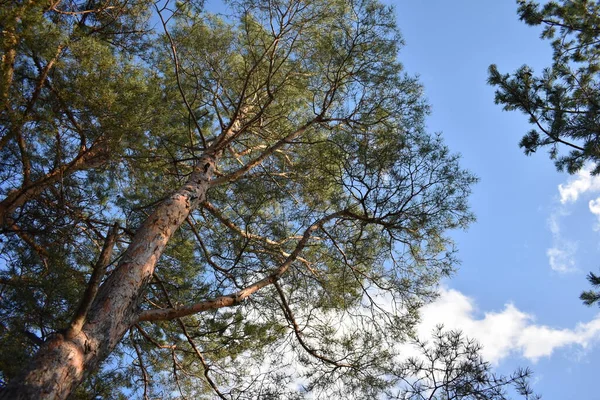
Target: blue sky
525	259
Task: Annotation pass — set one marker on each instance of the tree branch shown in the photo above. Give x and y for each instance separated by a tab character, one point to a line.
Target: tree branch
142	366
92	288
39	250
15	130
193	344
246	235
177	77
202	360
298	333
265	154
236	298
88	158
151	340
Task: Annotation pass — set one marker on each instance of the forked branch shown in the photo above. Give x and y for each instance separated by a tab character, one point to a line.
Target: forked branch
238	297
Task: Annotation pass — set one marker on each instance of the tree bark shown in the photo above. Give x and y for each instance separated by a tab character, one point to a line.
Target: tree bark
62	363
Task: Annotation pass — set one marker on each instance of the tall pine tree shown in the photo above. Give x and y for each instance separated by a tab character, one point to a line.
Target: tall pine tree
198	205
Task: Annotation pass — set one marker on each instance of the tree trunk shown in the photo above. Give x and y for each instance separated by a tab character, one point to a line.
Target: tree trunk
62	363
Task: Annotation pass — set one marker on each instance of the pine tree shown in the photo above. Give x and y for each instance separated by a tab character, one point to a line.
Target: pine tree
242	206
563	102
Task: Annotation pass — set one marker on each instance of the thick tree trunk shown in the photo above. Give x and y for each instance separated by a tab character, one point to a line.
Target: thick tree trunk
62	363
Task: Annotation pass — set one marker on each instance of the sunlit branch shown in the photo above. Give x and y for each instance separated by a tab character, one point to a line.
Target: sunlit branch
231	225
241	295
265	154
55	8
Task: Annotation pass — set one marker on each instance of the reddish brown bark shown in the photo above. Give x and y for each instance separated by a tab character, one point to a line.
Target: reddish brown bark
61	363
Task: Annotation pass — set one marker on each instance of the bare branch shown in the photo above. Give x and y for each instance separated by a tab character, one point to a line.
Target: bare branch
202	360
151	340
193	345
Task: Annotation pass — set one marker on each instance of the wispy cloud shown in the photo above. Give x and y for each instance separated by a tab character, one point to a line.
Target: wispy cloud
562	259
509	331
561	255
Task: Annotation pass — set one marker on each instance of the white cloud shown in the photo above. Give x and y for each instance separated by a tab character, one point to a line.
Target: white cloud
561	258
595	206
510	331
582	183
